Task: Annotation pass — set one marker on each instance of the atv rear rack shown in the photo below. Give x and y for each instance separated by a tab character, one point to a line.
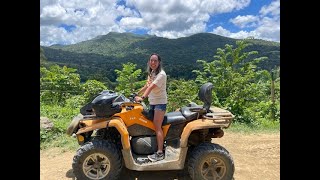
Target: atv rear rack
219	116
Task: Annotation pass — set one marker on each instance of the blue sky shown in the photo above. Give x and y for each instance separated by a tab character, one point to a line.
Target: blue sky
72	21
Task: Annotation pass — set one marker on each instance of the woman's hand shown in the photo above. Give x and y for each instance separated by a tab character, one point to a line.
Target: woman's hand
138	99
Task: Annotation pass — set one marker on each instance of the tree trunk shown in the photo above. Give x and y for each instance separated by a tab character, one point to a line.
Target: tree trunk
273	101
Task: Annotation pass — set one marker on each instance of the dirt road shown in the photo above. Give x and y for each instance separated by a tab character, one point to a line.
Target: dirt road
256	157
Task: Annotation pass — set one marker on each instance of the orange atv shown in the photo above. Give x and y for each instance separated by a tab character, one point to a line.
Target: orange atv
114	131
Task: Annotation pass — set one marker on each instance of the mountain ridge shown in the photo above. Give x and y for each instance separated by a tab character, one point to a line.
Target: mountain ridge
105	53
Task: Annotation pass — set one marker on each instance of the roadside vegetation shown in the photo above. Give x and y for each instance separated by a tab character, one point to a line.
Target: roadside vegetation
251	94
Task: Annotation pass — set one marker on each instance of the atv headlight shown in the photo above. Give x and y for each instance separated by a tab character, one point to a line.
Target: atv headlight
80	138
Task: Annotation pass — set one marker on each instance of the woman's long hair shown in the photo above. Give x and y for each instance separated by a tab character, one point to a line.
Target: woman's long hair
159	68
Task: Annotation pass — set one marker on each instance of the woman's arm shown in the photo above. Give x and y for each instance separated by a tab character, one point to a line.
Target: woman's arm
146	92
142	89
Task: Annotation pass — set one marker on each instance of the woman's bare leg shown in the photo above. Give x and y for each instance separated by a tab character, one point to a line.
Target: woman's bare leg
157	121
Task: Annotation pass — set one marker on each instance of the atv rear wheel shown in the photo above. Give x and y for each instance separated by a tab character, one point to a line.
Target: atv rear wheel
210	161
97	160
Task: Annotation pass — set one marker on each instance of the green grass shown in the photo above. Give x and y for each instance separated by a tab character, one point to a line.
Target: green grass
57	137
64	142
271	127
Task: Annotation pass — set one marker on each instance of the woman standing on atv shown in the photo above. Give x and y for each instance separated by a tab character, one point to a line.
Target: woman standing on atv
155	90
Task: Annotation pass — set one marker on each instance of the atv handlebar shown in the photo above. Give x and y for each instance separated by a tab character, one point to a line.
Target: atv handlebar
132	97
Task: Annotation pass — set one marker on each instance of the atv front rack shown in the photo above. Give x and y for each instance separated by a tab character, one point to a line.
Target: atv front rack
94	117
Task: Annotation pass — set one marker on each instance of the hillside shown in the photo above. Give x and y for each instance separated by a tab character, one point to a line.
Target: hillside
99	56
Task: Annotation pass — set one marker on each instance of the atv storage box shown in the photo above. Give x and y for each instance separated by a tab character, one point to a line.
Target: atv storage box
103	105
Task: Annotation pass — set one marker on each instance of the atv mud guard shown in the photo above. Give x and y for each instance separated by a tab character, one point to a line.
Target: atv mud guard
100	124
219	118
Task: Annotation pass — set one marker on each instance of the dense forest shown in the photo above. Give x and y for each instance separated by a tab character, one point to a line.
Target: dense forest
99	57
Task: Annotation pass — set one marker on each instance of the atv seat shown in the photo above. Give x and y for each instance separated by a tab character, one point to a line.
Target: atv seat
173	118
192	113
185	114
177	117
169	118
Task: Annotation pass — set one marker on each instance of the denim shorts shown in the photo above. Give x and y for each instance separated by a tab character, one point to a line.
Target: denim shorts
161	107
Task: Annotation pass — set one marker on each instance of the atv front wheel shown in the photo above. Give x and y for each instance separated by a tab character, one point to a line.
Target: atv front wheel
210	161
99	160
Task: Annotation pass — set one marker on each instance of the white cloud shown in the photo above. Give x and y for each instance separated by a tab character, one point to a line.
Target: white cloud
90	19
221	31
131	23
273	9
268	30
267	24
170	18
180	18
195	28
223	6
124	11
243	21
52	35
238	35
52	14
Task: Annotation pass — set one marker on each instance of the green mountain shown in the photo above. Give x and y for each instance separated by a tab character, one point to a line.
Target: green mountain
99	57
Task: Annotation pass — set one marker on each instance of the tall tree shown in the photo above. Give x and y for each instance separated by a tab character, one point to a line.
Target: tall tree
233	74
181	92
58	84
128	79
275	74
91	88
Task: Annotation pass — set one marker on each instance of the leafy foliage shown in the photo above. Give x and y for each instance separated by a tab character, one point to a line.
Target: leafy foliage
237	83
180	93
58	84
91	88
128	79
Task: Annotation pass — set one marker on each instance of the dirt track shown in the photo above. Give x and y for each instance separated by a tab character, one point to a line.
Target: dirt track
256	157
